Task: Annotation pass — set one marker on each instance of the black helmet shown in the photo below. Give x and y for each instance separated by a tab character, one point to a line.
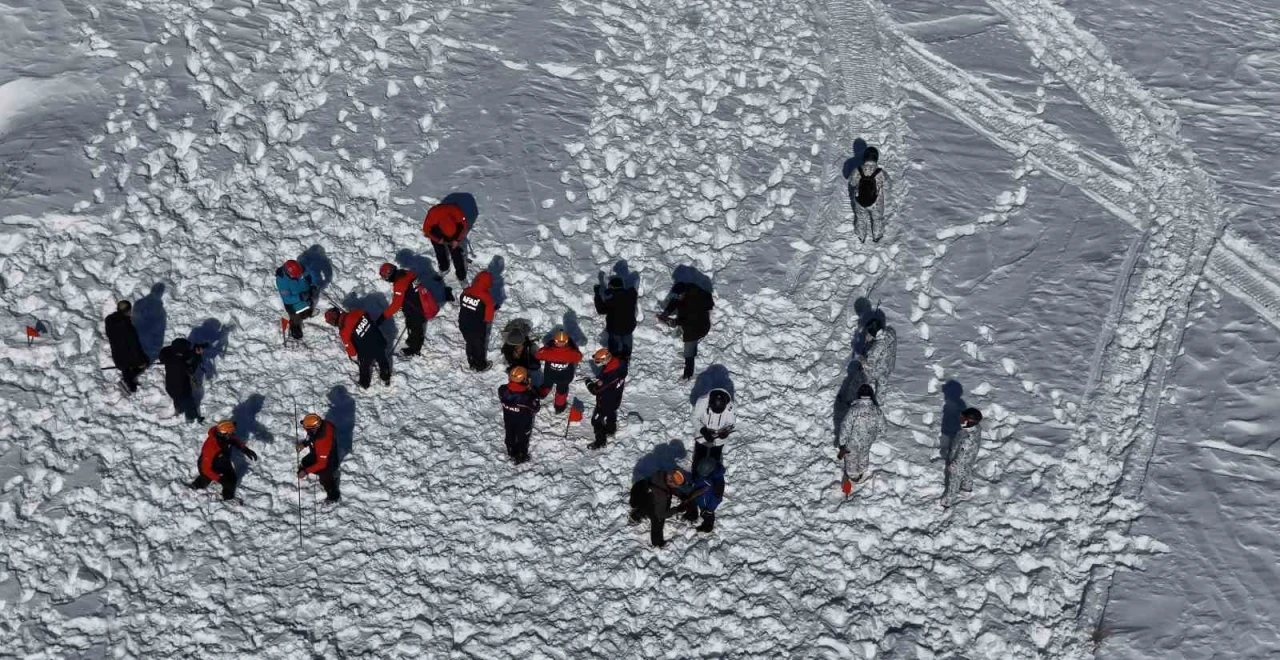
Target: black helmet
865	391
124	306
971	415
718	401
515	337
871	155
874	326
615	283
180	343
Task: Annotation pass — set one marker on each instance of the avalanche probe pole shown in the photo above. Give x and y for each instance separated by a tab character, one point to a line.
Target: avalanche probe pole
297	452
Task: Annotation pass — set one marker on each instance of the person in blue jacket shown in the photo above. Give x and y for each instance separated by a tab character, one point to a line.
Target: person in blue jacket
705	493
298	289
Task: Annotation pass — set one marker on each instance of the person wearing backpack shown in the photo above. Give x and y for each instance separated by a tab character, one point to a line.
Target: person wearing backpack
868	187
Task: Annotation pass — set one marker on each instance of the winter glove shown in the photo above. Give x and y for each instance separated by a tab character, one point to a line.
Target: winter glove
302	473
724	432
250	454
708	434
592	386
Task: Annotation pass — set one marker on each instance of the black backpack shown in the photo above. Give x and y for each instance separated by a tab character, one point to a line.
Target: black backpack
865	194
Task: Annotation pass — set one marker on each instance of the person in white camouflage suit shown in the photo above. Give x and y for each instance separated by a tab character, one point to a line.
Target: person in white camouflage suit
963	457
880	353
862	427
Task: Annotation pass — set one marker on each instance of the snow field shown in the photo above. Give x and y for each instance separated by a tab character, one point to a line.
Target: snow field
707	134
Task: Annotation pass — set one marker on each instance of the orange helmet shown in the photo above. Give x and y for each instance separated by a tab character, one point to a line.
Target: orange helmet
332	316
225	427
518	375
386	270
676	477
560	338
311	422
601	356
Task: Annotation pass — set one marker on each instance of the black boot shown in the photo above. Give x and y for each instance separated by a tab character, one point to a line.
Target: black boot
688	369
691	512
600	439
708	522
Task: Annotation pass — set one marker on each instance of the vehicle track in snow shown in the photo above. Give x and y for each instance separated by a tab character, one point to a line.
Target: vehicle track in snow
1116	431
1235	265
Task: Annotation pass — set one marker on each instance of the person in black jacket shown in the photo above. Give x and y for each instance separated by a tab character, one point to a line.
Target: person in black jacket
607	387
651	498
691	306
618	303
181	360
126	349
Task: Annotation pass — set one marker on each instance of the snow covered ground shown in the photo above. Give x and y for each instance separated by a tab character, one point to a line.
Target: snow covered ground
1070	197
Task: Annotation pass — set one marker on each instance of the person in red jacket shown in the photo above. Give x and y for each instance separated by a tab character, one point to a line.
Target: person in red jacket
561	360
419	306
322	461
446	225
475	315
364	342
215	459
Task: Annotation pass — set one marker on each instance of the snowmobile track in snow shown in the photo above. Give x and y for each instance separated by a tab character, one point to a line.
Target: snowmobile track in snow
1236	266
1184	220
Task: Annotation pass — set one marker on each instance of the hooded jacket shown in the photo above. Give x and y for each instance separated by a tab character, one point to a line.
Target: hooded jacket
475	305
705	418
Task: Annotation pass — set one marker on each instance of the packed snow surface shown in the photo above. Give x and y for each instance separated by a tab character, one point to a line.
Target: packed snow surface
1077	244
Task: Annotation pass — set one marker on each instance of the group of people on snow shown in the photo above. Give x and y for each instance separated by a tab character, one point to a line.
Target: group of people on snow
536	370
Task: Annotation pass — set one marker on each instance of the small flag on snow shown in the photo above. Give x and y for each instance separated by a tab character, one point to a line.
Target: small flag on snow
32	333
575	415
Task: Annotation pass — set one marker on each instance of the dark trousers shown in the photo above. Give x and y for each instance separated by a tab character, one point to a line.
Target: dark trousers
605	424
517	440
476	350
416	327
229	480
701	451
295	322
328	477
619	345
184	403
129	376
562	396
444	254
367	361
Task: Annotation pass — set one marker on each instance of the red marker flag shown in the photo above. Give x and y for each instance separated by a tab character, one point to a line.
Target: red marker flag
575	415
32	334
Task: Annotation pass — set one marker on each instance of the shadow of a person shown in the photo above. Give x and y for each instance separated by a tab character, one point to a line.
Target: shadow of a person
245	415
150	320
665	456
952	405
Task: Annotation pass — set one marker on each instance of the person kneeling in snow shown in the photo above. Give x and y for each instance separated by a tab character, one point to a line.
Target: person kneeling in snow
651	498
705	493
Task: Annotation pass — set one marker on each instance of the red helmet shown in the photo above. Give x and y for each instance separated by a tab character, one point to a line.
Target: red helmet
293	269
332	315
386	270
